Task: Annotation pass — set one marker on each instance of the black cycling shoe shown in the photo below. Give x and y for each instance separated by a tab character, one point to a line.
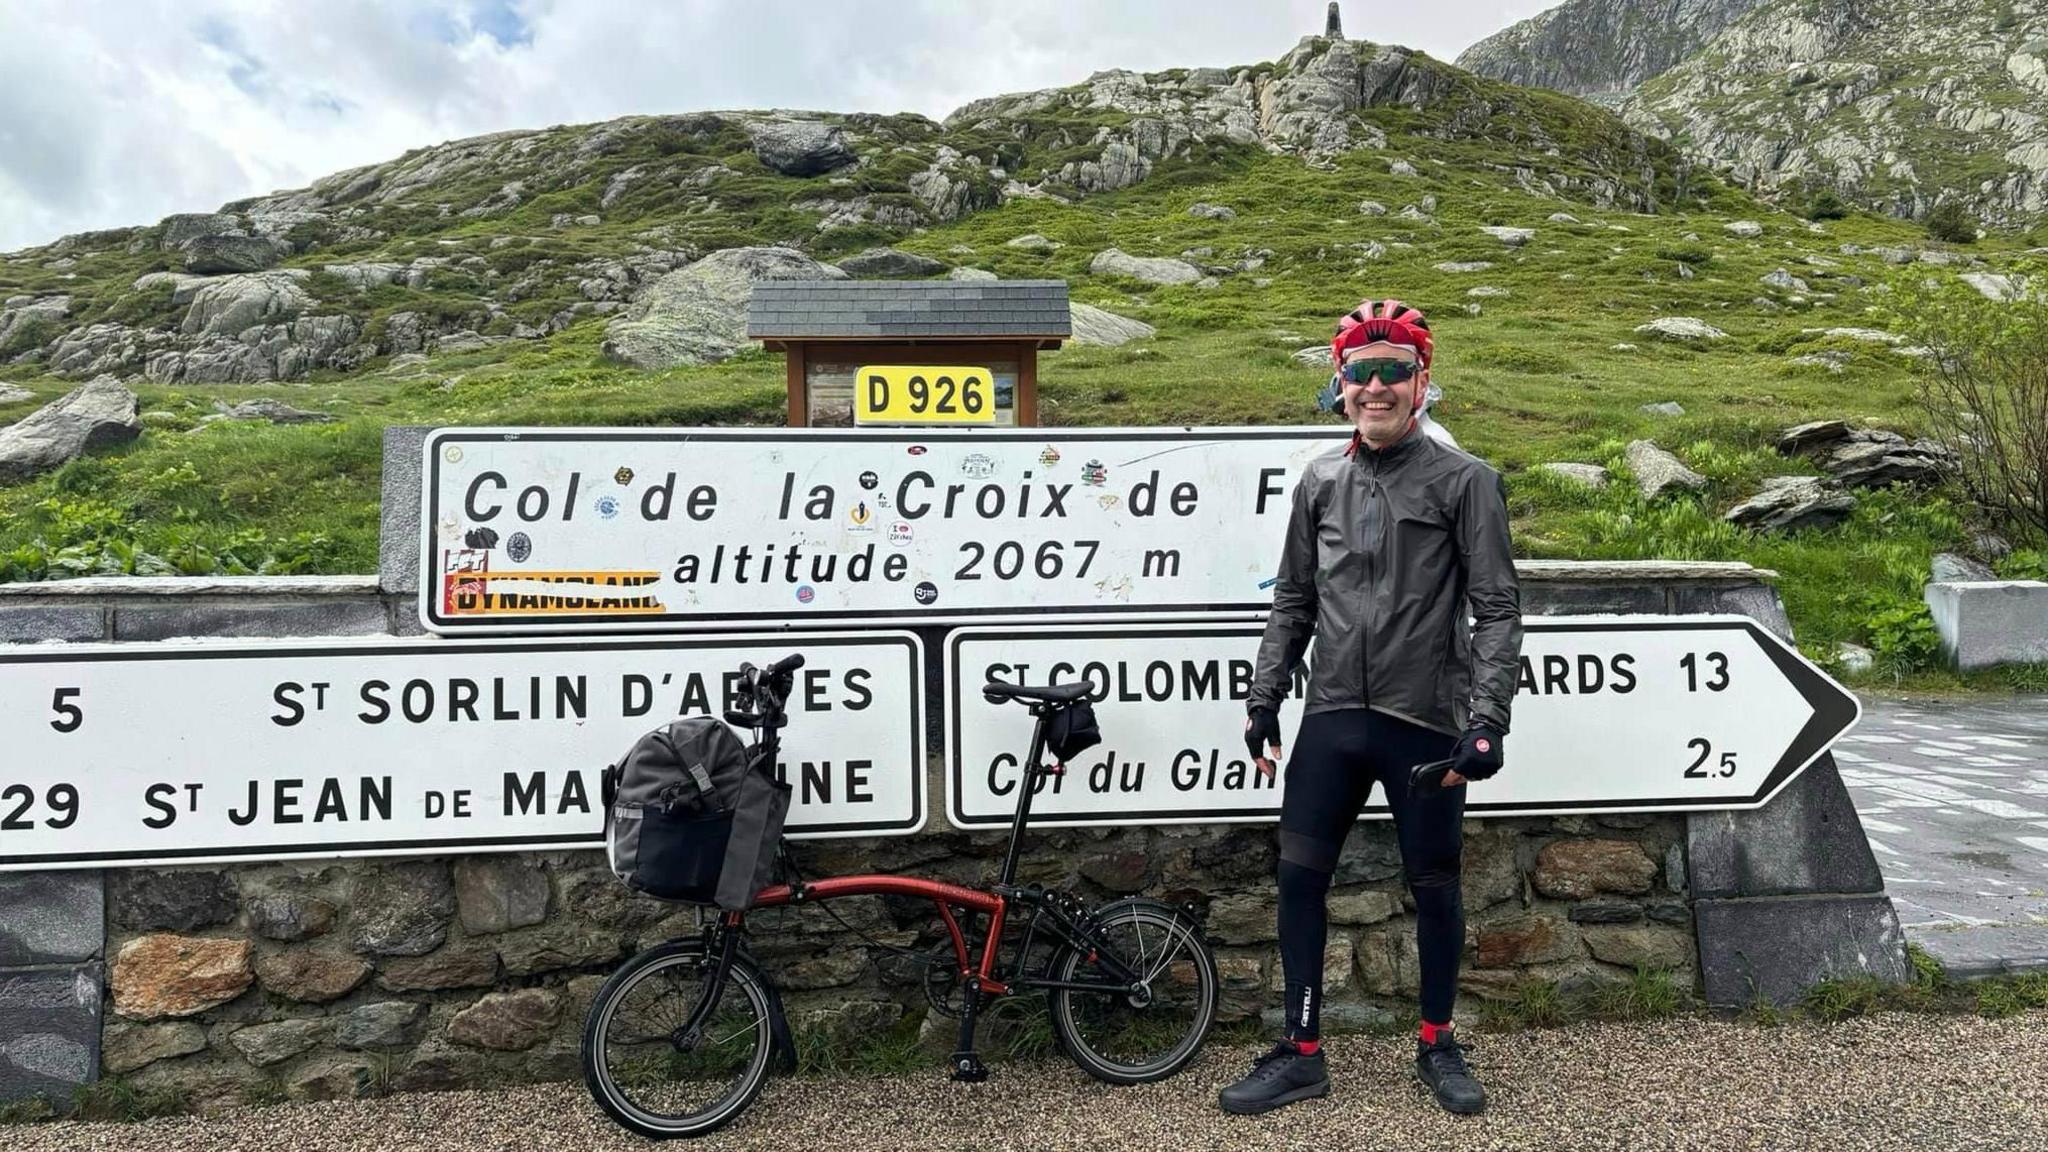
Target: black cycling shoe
1442	1067
1278	1078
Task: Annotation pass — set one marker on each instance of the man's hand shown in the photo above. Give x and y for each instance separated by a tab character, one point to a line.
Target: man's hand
1262	733
1477	757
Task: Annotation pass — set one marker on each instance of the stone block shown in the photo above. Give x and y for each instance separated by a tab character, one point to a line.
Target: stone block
310	975
402	909
49	1031
170	899
170	975
1983	625
1576	869
1572	598
508	1021
1759	602
398	548
496	893
1641	945
36	623
50	918
1535	939
267	1044
127	1047
1807	840
331	616
1774	949
389	1024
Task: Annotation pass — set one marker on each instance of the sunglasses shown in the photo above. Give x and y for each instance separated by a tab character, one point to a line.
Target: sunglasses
1390	372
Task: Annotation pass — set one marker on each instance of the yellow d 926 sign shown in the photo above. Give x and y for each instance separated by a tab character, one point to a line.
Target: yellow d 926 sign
916	394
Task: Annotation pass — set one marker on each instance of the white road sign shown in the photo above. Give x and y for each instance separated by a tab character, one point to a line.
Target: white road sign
546	530
183	752
1613	713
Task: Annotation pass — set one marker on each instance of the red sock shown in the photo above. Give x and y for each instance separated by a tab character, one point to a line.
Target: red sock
1308	1047
1430	1032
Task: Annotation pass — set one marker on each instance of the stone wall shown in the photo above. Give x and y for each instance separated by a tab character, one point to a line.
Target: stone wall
332	978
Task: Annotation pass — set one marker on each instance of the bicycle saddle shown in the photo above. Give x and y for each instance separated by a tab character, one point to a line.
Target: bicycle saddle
995	692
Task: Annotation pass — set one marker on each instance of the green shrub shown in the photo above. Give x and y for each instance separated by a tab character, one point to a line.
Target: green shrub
1951	223
1826	205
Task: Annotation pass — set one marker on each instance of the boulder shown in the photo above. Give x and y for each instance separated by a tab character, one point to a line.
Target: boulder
183	285
1401	168
1854	658
1867	335
1665	408
1992	285
229	305
14	394
1874	459
1787	503
1463	265
275	411
1512	237
1150	269
891	262
1784	281
209	255
698	314
169	975
1590	475
1801	437
800	147
1033	242
1562	218
179	229
1372	208
1486	292
361	276
971	274
1098	328
1949	568
1212	212
1745	229
1658	472
93	415
1681	328
508	1021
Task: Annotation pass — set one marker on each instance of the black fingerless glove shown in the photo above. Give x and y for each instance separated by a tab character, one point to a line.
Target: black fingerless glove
1478	755
1263	731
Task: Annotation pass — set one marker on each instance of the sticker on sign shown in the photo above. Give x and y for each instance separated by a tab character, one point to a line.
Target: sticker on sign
1612	714
719	528
182	752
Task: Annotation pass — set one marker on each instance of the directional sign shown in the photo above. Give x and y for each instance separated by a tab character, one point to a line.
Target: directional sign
1613	714
162	753
634	529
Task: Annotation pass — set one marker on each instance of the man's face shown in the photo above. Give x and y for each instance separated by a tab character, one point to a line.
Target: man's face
1381	411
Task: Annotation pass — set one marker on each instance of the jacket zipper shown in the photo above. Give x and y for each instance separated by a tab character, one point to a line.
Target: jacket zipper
1372	495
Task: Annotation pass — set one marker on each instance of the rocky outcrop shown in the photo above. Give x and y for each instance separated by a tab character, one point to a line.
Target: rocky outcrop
698	314
207	255
1600	49
1150	269
796	147
1897	107
1658	472
877	262
1866	457
27	322
1685	329
1787	503
95	415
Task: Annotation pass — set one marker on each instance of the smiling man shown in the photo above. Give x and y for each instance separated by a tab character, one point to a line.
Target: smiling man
1391	544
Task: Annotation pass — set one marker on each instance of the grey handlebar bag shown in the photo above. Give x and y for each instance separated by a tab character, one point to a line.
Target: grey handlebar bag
692	815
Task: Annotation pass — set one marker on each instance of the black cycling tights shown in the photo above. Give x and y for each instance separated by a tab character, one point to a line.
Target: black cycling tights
1337	757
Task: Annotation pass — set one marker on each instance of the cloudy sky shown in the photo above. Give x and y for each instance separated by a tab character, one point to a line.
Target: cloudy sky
118	112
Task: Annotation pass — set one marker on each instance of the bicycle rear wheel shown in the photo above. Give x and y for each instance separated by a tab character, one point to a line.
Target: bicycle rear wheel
653	1075
1136	1038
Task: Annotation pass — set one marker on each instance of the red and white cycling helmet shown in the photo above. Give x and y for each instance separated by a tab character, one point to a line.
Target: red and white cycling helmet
1389	320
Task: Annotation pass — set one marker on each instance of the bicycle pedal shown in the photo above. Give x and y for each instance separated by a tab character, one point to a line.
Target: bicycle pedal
967	1068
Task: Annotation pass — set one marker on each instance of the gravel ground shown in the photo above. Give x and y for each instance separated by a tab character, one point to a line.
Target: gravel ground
1892	1082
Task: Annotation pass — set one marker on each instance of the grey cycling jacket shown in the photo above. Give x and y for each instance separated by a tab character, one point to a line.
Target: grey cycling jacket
1384	550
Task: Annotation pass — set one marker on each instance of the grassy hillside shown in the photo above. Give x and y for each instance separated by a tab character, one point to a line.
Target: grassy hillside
1534	376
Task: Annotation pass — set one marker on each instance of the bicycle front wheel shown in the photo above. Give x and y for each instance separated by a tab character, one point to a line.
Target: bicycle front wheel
653	1073
1138	1037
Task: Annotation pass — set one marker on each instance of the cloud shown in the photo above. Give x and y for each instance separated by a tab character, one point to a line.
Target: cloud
119	112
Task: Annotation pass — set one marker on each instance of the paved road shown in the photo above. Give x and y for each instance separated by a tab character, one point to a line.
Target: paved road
1895	1081
1954	797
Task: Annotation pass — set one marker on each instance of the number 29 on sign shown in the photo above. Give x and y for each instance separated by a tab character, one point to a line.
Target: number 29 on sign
924	395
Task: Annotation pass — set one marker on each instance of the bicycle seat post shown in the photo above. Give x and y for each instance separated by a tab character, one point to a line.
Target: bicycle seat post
1027	784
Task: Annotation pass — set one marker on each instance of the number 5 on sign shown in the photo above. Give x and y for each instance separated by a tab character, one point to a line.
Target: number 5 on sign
899	394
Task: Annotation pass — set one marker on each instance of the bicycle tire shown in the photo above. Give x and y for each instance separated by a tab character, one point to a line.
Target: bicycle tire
743	979
1179	926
